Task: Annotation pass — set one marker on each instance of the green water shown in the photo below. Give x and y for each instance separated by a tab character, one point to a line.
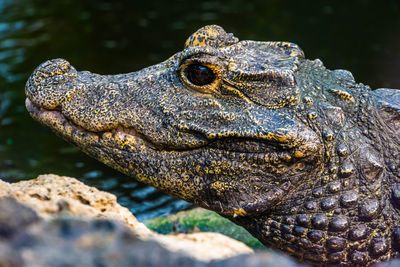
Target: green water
110	37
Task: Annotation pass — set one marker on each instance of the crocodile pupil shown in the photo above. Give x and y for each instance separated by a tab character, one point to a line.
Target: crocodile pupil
199	75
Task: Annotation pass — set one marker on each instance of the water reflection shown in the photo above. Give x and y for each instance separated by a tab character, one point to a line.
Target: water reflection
121	36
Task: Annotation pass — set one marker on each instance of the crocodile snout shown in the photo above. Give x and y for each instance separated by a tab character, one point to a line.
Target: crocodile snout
50	83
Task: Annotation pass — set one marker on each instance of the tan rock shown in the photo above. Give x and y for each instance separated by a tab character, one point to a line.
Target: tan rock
213	246
52	195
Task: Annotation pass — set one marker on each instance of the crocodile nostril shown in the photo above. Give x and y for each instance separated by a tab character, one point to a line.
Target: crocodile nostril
50	83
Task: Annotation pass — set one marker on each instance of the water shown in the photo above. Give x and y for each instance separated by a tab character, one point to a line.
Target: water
109	37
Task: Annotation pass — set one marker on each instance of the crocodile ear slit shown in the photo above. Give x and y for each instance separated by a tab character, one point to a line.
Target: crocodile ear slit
271	87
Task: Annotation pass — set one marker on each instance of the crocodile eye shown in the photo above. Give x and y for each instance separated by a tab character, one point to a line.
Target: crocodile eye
199	75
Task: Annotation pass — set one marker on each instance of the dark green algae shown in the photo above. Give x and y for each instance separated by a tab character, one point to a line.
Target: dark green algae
202	220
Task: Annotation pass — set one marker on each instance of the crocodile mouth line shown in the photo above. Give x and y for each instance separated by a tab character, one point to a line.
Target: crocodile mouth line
121	137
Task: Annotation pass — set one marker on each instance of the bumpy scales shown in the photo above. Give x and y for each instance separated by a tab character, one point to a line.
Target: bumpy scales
303	157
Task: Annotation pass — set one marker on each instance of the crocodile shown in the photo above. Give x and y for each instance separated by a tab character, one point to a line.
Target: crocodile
303	157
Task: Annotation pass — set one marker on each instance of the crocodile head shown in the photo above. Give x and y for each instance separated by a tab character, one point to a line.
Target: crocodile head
252	130
216	124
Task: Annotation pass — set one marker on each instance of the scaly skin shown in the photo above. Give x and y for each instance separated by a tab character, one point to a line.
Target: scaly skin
303	157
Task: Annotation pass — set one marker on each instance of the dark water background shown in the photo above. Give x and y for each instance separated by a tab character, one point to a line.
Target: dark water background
109	37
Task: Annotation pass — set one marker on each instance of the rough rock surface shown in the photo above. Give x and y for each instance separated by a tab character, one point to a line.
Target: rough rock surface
53	196
28	240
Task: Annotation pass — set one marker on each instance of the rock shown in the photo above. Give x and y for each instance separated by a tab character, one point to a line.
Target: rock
261	258
11	221
202	220
76	242
69	241
52	196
